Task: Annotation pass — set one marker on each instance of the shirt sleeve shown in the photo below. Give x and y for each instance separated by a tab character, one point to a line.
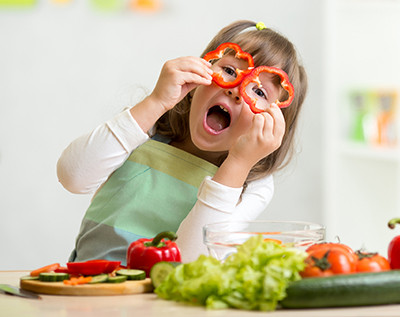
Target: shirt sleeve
89	160
217	203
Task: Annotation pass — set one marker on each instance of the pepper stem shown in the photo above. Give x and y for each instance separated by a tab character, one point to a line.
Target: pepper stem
392	223
163	235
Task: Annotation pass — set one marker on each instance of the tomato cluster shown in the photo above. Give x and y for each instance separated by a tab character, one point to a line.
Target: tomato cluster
326	259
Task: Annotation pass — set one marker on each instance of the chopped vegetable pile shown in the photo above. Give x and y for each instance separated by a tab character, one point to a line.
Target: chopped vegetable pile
254	278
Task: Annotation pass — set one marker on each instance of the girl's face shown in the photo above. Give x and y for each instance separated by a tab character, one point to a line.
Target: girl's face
218	116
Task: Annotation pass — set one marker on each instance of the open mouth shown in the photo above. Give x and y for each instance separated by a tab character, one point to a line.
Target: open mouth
218	118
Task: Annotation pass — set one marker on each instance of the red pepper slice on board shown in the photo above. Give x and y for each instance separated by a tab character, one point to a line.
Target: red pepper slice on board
240	73
394	246
44	269
253	77
142	254
92	267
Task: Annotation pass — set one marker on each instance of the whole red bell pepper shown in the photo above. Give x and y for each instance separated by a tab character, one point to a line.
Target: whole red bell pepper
240	73
394	246
142	254
253	77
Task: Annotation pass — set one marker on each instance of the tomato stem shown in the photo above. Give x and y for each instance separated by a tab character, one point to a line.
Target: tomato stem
362	255
323	264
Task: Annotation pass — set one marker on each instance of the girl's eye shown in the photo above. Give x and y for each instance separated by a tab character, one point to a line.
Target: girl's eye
259	92
230	71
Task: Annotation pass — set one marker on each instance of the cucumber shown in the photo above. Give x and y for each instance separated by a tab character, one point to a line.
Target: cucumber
160	271
117	279
358	289
101	278
132	274
53	277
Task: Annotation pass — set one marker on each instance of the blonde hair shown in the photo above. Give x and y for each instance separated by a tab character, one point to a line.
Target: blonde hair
269	48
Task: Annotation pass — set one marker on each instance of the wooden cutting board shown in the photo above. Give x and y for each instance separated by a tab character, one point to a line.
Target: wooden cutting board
100	289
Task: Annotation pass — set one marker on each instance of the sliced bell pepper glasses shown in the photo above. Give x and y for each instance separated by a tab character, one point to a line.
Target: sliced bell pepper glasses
238	69
243	60
251	83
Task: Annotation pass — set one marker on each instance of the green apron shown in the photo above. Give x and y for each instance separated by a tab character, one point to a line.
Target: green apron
152	191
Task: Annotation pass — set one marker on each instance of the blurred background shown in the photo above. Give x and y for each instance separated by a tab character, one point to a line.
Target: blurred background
68	65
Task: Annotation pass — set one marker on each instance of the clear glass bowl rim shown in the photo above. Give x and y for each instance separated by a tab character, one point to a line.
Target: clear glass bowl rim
213	227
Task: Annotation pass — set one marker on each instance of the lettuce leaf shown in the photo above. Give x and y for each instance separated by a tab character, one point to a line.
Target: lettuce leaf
253	278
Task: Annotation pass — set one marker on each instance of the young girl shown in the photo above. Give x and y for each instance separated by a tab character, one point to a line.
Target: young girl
189	154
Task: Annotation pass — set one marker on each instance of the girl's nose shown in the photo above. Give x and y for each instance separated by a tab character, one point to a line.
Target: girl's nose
234	93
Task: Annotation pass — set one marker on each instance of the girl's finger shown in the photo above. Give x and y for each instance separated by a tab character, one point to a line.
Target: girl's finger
269	124
279	119
195	65
193	78
258	125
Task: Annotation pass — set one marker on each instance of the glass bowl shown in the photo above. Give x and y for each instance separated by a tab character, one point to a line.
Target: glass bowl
222	238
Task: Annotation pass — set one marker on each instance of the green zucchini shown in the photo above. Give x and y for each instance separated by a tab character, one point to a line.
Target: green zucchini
359	289
132	274
53	277
160	270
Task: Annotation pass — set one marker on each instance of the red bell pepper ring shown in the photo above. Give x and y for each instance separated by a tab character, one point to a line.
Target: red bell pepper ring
253	77
93	267
394	246
142	254
240	73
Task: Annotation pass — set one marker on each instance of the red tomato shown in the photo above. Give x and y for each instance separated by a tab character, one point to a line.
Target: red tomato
328	245
371	262
329	259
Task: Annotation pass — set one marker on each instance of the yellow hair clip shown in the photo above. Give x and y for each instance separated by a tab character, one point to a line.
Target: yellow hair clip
260	26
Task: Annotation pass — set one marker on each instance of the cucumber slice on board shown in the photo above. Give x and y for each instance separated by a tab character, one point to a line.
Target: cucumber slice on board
132	274
53	277
160	271
101	278
117	279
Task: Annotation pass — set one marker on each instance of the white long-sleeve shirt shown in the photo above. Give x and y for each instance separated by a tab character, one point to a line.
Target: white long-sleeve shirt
88	162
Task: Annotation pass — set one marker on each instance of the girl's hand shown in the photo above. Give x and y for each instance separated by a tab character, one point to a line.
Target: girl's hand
178	77
263	138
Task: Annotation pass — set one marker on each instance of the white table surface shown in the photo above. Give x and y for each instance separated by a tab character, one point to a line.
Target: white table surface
148	305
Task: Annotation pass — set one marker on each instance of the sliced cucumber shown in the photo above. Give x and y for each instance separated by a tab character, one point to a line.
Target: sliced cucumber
101	278
53	277
132	274
160	271
117	279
